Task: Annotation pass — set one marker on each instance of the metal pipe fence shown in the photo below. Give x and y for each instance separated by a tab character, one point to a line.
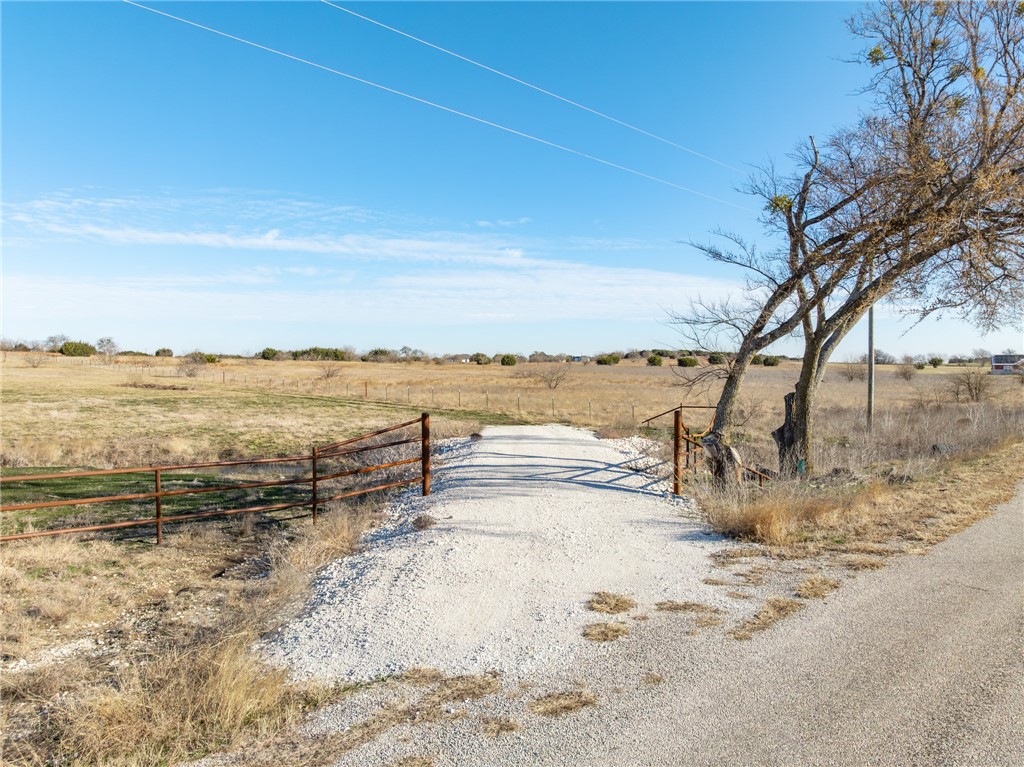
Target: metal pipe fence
315	480
686	442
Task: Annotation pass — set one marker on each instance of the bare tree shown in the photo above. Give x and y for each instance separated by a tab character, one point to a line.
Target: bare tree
35	358
552	375
329	369
920	202
108	348
970	385
854	370
53	343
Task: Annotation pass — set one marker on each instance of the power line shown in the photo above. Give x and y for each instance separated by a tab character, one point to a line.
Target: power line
537	88
439	106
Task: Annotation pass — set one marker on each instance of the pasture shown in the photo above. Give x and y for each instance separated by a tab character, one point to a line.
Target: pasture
135	412
112	645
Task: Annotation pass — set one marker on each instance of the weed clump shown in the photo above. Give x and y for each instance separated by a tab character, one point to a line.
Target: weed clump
609	603
605	632
561	703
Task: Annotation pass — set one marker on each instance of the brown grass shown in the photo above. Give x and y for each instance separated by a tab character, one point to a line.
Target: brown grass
612	604
561	703
816	587
774	610
672	606
652	678
173	676
422	677
774	515
493	726
605	632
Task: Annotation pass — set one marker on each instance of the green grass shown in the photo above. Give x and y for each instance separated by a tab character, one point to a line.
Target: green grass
124	484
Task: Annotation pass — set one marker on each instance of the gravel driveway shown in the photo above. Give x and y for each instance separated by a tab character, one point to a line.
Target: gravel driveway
531	522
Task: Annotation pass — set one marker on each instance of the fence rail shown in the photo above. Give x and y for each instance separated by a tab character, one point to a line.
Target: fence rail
687	442
315	480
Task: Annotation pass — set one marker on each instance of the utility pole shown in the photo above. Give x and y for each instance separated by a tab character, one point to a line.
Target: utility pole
871	354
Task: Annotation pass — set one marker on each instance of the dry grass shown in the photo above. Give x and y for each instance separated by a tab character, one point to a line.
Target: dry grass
493	726
707	621
171	674
612	604
561	703
415	761
652	678
422	677
774	610
816	587
863	524
605	632
774	515
672	606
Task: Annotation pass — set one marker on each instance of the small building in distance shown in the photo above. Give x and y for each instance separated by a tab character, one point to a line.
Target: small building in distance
1005	364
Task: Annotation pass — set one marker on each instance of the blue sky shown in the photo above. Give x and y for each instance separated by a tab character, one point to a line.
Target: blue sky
169	186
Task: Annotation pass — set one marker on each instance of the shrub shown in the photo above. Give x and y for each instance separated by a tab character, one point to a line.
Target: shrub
654	361
687	362
508	360
716	359
77	349
935	361
771	361
480	359
607	359
164	352
906	369
854	371
379	355
269	353
757	359
970	385
664	353
342	354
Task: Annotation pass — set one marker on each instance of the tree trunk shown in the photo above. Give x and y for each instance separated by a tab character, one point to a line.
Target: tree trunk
794	437
785	439
723	460
730	394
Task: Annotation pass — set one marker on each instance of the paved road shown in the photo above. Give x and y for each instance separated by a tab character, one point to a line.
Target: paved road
920	663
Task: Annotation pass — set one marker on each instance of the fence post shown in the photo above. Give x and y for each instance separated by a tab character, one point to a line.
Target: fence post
425	436
159	510
677	452
314	484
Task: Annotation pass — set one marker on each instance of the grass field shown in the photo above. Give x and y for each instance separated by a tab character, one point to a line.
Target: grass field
65	414
112	645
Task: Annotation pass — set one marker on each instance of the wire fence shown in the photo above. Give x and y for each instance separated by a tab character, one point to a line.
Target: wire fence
523	398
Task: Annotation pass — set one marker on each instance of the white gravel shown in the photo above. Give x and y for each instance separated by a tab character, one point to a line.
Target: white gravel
531	521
